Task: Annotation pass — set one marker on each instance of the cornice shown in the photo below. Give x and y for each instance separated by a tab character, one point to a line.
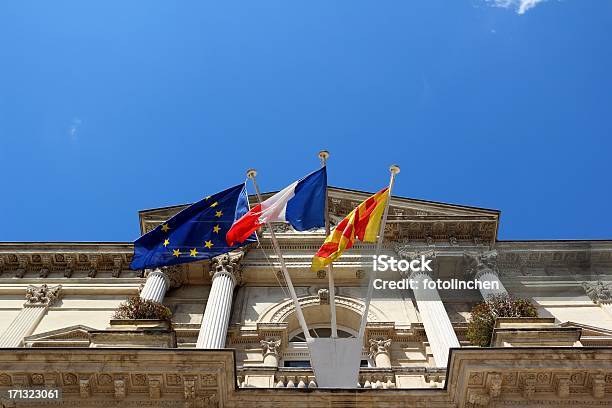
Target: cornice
408	218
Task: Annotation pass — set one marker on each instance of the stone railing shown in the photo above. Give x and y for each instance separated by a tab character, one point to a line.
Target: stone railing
370	377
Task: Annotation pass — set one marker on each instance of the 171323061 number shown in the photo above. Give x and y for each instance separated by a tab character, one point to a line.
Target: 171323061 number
34	394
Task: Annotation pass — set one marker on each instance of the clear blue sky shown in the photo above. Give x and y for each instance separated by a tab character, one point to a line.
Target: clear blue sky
110	107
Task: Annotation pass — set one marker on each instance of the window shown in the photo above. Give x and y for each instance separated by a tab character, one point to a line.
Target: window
297	363
306	363
321	332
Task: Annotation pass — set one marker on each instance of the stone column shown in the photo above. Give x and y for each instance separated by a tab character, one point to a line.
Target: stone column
38	300
379	352
437	325
483	268
159	281
156	286
225	271
270	352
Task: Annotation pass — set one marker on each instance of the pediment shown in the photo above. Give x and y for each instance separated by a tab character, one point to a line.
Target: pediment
74	336
589	331
409	218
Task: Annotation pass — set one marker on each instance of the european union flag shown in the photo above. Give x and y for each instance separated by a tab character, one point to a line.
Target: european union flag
196	233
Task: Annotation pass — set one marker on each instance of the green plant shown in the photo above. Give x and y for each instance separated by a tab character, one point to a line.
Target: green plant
137	308
482	321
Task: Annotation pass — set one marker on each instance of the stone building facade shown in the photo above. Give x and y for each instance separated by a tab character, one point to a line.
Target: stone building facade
235	340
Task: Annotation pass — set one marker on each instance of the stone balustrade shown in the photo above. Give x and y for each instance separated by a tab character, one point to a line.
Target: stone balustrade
369	378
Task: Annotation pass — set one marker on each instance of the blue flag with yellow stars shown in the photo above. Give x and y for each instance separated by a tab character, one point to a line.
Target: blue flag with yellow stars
196	233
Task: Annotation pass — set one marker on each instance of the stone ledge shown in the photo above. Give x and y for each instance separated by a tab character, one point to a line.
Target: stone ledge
206	378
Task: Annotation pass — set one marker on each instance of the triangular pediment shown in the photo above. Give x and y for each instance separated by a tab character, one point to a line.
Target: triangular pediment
74	336
589	331
409	218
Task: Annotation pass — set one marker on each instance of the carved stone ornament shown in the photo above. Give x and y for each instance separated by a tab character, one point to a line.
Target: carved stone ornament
270	346
323	296
227	263
119	388
476	263
405	250
379	346
599	292
42	295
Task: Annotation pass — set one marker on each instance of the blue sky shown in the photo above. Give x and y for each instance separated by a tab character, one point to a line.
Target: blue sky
110	107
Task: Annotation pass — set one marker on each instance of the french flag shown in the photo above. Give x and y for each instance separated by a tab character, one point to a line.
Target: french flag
301	204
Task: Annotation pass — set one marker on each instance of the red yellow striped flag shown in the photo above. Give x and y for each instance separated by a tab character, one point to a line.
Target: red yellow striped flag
363	222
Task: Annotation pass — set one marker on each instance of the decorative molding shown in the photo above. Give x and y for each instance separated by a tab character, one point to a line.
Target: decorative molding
42	260
287	308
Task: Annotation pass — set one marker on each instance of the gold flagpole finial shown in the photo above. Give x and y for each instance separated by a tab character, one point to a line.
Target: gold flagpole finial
323	155
251	173
394	169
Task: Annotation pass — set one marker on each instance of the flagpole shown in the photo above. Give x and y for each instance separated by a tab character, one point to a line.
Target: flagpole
324	155
394	169
251	173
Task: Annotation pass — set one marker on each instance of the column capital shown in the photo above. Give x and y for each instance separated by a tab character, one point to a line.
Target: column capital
415	274
405	250
42	295
174	275
270	346
378	346
477	263
227	264
599	292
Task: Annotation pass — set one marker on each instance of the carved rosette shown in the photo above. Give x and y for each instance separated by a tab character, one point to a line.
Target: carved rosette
42	295
227	264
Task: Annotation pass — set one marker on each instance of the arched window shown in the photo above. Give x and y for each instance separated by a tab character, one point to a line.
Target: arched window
321	332
296	355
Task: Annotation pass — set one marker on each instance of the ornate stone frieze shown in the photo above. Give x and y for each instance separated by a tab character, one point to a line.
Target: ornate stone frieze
42	295
22	260
599	292
206	378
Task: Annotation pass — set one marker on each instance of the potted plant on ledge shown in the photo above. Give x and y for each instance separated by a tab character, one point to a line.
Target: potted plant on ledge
138	313
484	314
